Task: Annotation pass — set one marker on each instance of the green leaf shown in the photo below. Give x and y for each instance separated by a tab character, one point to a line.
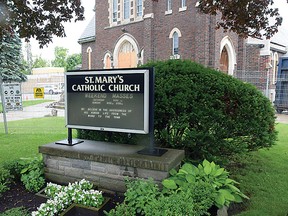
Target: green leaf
227	194
219	172
190	178
173	172
206	163
24	170
188	168
169	183
207	169
220	200
233	188
238	198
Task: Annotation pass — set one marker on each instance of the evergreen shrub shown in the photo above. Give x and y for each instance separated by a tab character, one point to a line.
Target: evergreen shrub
207	113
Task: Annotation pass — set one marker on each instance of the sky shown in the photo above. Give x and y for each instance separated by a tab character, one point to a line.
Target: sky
74	31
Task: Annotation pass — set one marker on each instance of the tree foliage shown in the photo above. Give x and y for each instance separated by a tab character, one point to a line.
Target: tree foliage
43	19
40	62
73	60
245	17
10	59
60	54
37	18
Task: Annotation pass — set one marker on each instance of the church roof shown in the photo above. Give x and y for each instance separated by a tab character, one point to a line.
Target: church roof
89	33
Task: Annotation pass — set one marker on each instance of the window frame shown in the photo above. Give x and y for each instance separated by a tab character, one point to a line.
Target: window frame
126	9
175	43
139	8
114	10
168	7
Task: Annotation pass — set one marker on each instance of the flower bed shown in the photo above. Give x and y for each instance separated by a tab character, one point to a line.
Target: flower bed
61	197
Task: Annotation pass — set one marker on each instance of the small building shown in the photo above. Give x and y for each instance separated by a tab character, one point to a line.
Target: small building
43	76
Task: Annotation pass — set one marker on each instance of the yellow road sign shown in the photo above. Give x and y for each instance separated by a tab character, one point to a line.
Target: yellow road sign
38	92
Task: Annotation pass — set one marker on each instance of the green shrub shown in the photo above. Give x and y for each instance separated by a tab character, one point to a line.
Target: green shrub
143	197
188	175
5	179
32	173
15	168
207	113
16	212
33	180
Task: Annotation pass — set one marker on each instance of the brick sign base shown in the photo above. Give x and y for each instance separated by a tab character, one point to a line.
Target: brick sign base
105	164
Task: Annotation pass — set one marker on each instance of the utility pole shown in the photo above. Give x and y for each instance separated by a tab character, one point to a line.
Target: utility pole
3	105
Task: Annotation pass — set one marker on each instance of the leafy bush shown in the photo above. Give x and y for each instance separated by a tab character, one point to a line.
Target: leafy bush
5	179
32	173
16	212
143	197
224	192
15	168
208	113
33	180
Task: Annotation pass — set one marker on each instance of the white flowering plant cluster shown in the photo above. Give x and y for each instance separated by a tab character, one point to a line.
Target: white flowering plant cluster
63	196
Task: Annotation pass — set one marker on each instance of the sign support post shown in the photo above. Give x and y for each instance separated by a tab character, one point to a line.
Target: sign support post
3	105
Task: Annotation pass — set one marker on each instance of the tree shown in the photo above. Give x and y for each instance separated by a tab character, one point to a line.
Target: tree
73	60
40	62
10	59
43	19
60	57
245	17
37	18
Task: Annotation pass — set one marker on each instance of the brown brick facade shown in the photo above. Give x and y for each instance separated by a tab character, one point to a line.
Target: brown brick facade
199	40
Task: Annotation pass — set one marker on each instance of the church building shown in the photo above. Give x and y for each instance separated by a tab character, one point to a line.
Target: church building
127	33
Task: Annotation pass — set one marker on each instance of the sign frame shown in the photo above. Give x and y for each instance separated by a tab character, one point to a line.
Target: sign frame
12	96
147	94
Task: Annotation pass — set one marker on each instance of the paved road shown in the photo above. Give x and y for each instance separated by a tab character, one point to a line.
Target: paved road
35	111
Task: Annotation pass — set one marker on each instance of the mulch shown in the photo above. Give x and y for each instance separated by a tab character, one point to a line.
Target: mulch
18	196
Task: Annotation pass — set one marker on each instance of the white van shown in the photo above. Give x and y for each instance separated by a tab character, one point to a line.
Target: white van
52	88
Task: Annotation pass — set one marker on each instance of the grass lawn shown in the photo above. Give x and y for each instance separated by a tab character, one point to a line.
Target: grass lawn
265	179
26	135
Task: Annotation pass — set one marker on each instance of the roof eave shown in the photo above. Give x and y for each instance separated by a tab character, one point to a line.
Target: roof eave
86	40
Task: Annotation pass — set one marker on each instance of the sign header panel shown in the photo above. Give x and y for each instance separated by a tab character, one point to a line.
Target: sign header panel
12	96
108	100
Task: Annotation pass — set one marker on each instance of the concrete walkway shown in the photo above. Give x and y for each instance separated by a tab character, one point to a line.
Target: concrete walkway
35	111
282	118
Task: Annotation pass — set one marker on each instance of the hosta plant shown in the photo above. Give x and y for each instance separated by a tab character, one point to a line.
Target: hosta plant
225	189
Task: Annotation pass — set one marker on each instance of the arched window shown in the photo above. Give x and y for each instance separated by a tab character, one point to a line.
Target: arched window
107	61
175	43
227	59
175	34
126	52
89	51
275	67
